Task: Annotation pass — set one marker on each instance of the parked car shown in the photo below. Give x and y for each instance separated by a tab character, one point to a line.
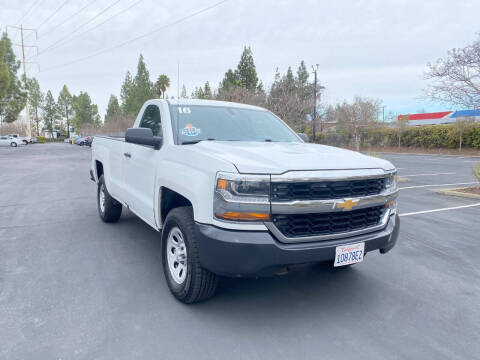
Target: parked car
235	192
10	141
24	139
81	140
89	140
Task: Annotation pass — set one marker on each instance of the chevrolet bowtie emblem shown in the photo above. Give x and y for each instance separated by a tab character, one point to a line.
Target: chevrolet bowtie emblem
347	204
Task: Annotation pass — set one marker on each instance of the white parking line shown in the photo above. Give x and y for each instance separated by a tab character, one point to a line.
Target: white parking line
422	186
432	174
441	209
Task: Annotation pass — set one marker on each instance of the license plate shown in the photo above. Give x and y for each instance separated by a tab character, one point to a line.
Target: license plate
349	254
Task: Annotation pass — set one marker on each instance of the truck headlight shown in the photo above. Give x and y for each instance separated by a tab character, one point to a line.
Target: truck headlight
242	197
391	182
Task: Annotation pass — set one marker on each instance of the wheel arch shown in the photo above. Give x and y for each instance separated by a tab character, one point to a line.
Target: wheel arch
168	200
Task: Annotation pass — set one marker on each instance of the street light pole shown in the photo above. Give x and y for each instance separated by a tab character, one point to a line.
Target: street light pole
314	102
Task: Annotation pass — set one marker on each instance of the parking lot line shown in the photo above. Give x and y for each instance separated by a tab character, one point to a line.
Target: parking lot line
441	209
432	174
429	185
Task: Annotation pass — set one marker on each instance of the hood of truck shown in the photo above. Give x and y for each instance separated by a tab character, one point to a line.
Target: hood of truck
278	158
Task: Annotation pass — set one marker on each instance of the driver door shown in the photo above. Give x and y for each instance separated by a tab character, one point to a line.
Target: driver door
140	163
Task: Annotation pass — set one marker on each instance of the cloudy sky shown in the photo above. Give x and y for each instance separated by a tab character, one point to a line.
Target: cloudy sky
375	48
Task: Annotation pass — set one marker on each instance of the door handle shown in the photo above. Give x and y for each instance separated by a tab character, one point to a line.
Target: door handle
128	155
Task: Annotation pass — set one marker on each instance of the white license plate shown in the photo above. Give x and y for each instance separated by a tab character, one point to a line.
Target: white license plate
349	254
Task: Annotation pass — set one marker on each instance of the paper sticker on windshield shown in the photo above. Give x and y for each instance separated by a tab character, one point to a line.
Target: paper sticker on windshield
190	130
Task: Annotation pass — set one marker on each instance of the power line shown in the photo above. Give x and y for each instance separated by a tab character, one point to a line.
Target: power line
67	18
35	3
99	24
182	19
48	48
52	14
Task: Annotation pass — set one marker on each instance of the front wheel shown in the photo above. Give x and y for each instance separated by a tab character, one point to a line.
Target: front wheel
109	209
187	280
13	144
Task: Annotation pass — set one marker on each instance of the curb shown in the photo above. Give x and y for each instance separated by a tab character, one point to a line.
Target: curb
453	192
426	154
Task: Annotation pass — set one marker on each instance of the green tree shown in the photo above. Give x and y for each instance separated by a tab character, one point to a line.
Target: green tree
85	111
183	94
162	84
229	81
246	72
207	91
127	95
198	93
143	88
12	90
50	112
113	109
302	74
35	101
65	107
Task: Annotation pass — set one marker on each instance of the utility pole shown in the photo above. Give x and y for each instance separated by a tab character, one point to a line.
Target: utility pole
315	69
23	46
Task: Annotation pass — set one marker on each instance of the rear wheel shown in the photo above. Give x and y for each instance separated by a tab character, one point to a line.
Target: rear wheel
187	280
25	142
109	209
13	144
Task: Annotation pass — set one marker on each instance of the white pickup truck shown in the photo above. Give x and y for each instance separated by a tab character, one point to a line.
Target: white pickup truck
235	192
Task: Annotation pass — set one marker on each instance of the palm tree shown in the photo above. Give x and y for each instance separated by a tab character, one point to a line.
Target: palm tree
163	82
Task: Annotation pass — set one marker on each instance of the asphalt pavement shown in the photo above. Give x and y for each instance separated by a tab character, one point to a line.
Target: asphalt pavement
73	287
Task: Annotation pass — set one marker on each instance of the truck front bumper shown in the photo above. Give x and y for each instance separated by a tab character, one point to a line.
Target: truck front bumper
258	253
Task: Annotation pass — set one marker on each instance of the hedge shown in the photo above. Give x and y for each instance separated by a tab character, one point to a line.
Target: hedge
426	136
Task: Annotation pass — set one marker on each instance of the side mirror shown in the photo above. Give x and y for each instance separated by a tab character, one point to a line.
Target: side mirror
303	136
143	136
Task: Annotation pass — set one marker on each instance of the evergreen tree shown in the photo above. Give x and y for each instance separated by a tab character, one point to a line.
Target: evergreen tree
183	94
161	85
229	81
302	74
143	88
12	90
246	72
289	79
127	95
113	109
35	101
207	91
198	93
50	112
65	107
85	111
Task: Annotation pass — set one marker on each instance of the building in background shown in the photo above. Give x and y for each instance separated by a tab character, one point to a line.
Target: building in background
438	118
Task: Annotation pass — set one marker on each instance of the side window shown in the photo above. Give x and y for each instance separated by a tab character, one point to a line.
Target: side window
151	119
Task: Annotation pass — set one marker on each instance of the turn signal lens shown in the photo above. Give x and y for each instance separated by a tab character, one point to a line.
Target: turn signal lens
221	184
390	204
243	216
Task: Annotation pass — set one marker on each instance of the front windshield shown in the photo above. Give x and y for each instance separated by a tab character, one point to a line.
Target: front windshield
199	122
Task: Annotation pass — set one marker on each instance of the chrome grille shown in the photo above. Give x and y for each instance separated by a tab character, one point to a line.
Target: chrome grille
315	224
324	190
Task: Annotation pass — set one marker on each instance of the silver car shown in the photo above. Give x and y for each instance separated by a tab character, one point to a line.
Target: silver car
10	141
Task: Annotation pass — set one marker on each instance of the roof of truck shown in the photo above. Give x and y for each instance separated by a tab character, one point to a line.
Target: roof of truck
193	102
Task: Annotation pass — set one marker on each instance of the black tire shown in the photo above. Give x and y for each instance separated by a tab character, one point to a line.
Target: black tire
82	143
199	283
25	142
112	209
13	144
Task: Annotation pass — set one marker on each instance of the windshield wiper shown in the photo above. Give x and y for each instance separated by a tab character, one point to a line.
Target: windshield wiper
190	142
